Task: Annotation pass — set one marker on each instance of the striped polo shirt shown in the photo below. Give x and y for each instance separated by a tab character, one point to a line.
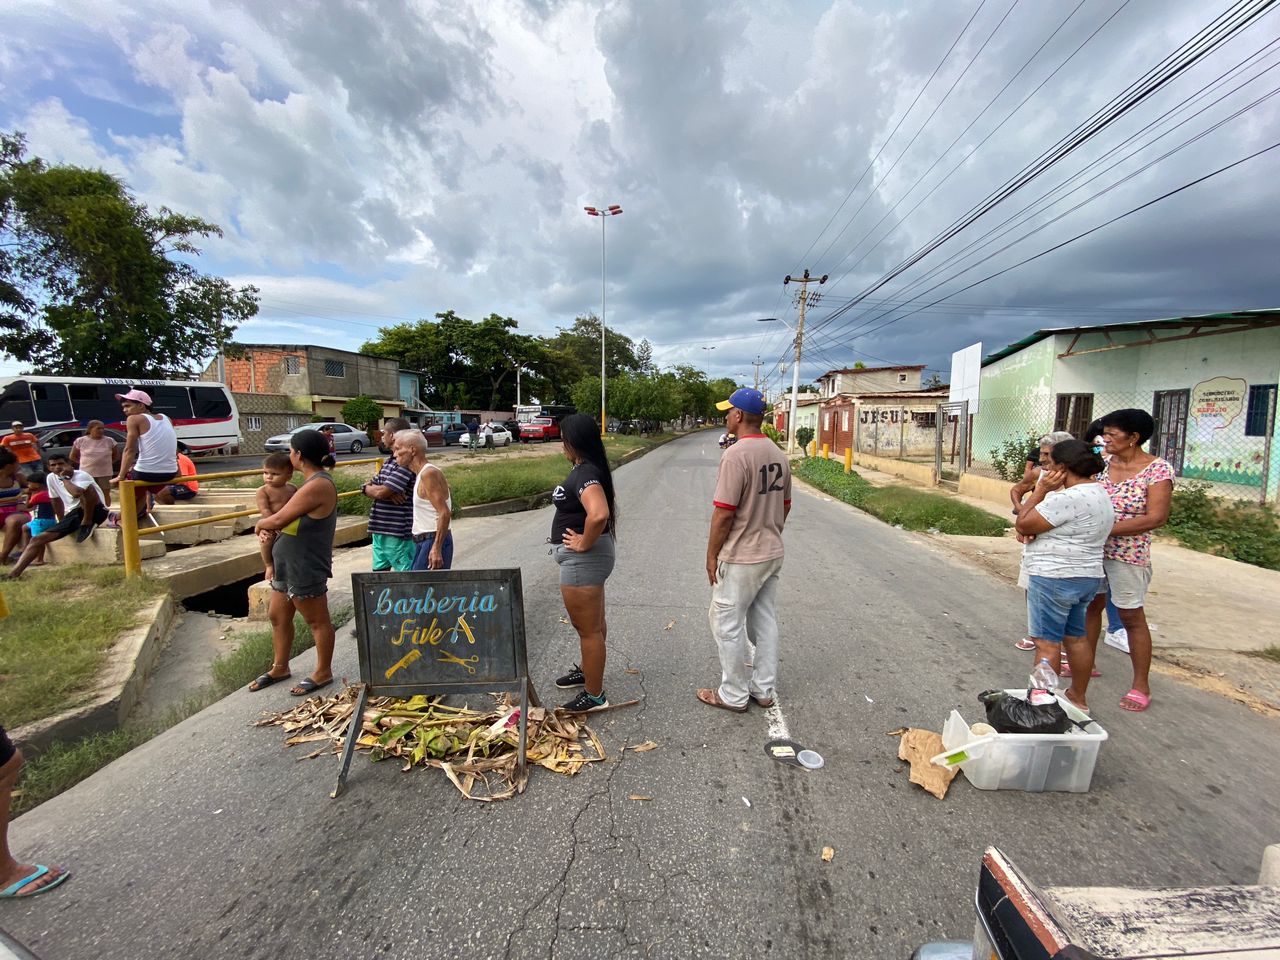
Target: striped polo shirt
388	518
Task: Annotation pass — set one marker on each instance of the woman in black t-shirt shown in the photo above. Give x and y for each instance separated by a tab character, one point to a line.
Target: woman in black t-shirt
582	542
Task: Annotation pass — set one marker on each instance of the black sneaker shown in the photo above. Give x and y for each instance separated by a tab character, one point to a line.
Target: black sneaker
586	703
573	678
85	533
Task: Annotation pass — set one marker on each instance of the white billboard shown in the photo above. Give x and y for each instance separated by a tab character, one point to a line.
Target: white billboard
966	375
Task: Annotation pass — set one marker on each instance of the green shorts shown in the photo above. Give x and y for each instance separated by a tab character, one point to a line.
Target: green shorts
392	553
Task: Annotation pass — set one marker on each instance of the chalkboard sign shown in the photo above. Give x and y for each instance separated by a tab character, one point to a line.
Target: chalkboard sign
438	632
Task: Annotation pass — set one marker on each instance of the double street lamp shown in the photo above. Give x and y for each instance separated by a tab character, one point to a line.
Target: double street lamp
603	213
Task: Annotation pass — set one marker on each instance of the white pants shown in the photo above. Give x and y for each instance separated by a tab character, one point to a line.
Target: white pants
742	613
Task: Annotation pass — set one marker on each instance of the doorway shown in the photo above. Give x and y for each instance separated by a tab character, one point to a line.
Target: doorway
1170	412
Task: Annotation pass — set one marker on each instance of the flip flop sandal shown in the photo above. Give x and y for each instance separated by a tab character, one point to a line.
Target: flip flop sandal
712	699
1065	671
306	686
265	681
14	890
1026	643
1135	701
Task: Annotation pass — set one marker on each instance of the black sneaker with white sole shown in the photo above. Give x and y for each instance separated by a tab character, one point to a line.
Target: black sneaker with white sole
573	678
586	703
85	533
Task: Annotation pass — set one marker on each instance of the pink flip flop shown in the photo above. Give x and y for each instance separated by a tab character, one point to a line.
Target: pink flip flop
1026	643
1065	671
1135	701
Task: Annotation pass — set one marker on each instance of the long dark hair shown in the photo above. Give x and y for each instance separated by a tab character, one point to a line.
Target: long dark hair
581	434
313	448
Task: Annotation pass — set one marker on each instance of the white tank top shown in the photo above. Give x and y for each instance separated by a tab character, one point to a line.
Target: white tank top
424	511
158	447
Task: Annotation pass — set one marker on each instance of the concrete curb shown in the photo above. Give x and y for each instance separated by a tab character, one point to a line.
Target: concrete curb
118	689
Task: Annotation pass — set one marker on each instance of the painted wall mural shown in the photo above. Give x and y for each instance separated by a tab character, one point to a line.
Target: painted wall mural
1217	448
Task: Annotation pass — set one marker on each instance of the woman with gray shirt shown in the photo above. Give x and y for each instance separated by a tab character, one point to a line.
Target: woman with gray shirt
303	559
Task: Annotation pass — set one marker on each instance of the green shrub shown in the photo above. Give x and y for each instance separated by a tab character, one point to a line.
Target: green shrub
772	433
1227	528
1010	458
803	436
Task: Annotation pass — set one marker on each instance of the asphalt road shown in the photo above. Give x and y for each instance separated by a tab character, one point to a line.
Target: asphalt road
213	841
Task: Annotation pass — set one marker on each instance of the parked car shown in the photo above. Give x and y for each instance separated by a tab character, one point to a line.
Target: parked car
540	428
57	441
501	437
346	439
513	426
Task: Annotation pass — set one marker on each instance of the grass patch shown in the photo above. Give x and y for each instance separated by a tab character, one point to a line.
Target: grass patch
62	623
901	506
1271	653
1226	528
64	765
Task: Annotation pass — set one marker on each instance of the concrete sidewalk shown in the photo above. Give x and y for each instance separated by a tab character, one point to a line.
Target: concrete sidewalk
1207	613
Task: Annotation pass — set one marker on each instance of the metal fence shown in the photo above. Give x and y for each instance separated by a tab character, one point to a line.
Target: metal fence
1228	442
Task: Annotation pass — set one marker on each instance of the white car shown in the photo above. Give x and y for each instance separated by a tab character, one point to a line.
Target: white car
501	437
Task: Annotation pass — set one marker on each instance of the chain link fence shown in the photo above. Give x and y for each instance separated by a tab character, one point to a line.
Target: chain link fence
1228	442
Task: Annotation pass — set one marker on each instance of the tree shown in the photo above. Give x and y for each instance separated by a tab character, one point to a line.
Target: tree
859	365
89	283
363	412
934	381
586	395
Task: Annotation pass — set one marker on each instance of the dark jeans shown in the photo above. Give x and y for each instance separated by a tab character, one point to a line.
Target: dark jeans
424	549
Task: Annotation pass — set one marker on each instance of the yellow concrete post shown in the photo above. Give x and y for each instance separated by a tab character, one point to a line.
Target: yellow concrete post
129	528
848	460
826	451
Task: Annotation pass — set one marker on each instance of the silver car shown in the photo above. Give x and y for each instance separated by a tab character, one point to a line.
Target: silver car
346	439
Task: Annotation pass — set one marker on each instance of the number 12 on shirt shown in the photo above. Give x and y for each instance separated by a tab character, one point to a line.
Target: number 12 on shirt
770	478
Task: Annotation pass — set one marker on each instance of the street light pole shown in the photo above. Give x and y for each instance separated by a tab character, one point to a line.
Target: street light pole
603	213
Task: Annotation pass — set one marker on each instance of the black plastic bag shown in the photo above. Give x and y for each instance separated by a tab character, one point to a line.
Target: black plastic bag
1011	715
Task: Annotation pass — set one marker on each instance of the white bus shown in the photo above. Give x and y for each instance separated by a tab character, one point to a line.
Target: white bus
204	414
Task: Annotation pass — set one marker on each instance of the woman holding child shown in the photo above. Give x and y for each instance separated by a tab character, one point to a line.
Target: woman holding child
302	558
1065	522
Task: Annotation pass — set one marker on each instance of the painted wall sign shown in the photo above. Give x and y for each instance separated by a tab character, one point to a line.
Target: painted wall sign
1216	403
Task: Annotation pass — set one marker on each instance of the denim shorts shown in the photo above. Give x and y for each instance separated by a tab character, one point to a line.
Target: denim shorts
1056	605
590	569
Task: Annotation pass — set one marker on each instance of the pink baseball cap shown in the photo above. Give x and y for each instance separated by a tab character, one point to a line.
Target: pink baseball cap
137	396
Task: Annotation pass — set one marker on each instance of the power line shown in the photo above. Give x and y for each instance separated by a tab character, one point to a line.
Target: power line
1183	58
871	163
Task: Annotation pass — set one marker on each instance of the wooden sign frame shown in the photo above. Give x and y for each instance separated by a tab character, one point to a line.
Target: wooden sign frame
376	681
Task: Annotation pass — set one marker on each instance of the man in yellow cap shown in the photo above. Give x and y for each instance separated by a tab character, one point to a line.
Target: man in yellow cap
744	556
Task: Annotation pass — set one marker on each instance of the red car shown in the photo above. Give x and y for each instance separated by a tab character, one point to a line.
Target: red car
541	428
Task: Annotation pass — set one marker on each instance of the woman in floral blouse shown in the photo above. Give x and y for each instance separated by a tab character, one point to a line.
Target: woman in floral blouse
1141	490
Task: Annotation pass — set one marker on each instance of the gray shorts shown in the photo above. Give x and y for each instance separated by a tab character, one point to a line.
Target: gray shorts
1127	583
590	569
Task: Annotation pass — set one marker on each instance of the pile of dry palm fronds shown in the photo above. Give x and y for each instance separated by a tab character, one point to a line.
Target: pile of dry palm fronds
471	746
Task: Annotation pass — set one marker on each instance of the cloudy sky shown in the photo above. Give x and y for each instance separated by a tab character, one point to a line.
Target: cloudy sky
373	162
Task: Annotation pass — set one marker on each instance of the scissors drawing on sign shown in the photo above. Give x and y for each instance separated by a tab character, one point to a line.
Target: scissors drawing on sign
460	661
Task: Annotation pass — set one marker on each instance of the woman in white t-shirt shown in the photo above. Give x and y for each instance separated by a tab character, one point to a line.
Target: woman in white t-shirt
1066	521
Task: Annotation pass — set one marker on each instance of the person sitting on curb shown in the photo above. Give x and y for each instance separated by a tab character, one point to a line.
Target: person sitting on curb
78	501
18	880
180	492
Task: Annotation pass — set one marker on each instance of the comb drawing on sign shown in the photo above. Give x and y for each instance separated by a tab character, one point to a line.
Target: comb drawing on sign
446	657
403	662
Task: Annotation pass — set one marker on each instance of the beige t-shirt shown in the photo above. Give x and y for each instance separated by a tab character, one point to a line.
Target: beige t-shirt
755	483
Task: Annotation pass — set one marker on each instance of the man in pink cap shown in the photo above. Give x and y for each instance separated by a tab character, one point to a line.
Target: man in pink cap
150	447
744	556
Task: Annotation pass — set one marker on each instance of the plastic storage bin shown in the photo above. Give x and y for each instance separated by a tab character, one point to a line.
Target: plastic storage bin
1024	761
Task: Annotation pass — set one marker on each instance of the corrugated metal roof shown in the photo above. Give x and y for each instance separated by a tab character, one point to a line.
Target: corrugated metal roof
1169	322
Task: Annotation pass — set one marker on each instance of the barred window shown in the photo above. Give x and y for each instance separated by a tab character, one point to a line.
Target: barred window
294	423
926	420
253	424
1261	397
293	366
844	420
335	368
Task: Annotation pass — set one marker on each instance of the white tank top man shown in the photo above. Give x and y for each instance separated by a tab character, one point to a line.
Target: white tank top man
432	502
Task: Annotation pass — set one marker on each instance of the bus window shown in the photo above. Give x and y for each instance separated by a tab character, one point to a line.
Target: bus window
15	404
50	399
173	402
210	403
95	401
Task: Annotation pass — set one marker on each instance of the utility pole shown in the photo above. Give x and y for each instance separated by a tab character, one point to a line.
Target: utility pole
802	298
757	363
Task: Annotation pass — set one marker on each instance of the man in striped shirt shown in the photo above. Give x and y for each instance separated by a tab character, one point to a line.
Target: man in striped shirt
391	518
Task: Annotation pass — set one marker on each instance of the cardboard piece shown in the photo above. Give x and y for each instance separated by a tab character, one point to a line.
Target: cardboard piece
918	747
